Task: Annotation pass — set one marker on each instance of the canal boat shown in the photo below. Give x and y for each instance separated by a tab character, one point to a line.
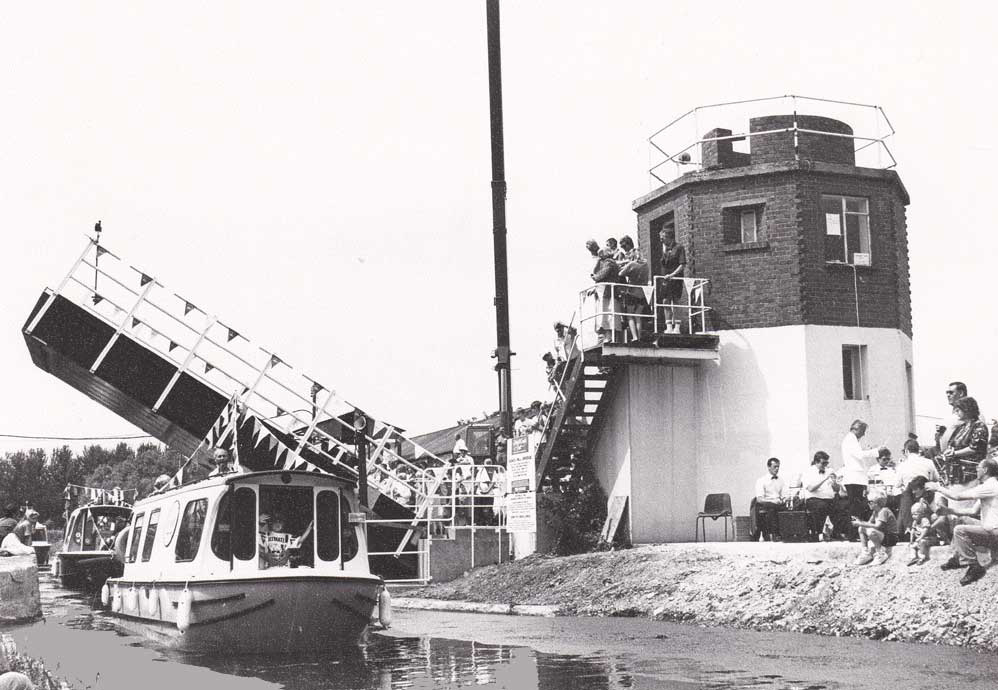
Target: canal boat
271	561
87	556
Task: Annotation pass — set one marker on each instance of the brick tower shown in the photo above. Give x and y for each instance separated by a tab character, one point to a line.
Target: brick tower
807	257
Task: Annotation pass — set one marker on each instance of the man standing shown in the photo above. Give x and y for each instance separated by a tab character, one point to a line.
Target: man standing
855	464
770	498
975	538
673	269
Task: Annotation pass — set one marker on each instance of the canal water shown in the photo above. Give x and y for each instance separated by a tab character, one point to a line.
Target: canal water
450	650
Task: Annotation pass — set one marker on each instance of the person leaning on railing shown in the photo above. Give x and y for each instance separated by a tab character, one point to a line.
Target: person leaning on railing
606	271
635	272
673	267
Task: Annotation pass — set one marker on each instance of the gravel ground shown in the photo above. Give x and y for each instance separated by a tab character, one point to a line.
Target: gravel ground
812	588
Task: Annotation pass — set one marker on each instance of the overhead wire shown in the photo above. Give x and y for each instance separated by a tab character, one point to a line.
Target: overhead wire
77	438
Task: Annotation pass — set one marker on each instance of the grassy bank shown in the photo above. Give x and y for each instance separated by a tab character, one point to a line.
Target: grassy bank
809	588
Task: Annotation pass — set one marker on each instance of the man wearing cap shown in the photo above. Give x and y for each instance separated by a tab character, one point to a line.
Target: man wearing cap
26	526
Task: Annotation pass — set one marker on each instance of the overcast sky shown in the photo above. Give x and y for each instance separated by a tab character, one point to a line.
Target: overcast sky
318	174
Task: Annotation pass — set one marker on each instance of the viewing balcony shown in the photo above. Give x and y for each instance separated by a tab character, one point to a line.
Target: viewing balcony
665	321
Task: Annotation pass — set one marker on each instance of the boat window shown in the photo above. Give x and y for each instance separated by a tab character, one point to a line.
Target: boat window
327	527
133	547
90	535
235	526
170	522
150	535
286	534
348	538
75	533
191	527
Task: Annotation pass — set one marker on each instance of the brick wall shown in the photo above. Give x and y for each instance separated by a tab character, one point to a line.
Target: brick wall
773	148
783	279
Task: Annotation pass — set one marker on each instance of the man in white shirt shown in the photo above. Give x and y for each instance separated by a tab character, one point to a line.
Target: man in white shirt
820	486
223	463
855	463
973	540
770	498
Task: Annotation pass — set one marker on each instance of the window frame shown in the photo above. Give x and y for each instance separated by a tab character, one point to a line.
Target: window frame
149	536
134	537
752	213
843	215
181	527
858	379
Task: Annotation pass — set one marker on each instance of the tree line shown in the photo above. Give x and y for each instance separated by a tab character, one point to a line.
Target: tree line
37	478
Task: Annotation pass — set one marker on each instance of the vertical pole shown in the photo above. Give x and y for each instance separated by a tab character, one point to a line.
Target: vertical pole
503	353
362	466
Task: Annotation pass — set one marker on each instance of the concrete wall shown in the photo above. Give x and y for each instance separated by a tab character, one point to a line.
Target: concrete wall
675	434
450	558
19	596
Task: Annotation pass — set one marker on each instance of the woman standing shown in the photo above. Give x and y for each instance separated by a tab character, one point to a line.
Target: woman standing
635	272
969	443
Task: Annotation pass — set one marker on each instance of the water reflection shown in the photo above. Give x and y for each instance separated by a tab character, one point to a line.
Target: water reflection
379	663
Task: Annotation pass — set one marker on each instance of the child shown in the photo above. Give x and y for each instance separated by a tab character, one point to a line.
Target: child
921	534
878	534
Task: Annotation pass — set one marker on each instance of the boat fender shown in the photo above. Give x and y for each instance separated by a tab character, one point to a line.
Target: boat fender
131	600
184	610
116	599
385	608
151	603
105	595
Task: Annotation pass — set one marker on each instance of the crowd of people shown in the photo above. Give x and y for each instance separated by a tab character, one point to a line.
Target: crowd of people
624	311
942	493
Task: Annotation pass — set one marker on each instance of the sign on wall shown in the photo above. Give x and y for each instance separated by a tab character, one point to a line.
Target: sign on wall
520	468
521	512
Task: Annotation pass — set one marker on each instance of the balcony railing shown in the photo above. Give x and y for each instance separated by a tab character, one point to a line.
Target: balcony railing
613	313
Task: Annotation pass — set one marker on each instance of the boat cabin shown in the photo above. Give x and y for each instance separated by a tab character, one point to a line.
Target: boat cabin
92	528
272	523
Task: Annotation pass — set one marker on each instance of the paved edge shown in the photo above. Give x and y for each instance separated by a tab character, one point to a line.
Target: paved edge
474	607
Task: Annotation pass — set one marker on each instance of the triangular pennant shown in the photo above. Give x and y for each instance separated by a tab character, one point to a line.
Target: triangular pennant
280	412
135	322
378	427
232	335
101	251
188	307
648	290
208	367
145	279
316	387
173	346
418	450
275	360
97	299
689	283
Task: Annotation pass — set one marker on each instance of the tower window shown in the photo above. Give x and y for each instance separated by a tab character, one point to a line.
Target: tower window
750	227
854	372
847	229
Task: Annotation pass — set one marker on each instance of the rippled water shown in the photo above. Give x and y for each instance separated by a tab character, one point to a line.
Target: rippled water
88	648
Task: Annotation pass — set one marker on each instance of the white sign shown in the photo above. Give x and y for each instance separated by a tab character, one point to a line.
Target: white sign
521	512
520	466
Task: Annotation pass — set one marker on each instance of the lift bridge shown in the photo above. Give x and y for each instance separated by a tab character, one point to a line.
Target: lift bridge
172	368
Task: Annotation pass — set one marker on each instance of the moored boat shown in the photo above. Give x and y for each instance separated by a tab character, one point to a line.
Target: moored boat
87	556
249	562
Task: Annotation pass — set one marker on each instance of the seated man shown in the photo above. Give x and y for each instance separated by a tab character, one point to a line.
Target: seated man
884	476
820	487
770	498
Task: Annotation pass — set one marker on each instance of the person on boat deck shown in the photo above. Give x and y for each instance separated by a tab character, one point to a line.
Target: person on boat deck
9	521
223	463
26	527
276	545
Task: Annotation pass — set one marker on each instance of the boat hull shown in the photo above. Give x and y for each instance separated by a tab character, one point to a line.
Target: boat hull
273	615
86	569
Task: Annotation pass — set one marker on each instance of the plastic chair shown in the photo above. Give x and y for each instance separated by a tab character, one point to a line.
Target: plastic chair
714	506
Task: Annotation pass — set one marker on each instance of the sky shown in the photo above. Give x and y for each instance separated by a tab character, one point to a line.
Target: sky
318	174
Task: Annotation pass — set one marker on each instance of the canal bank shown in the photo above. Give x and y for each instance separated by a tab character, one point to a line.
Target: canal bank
809	588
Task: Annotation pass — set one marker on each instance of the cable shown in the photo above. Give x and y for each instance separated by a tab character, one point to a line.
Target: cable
77	438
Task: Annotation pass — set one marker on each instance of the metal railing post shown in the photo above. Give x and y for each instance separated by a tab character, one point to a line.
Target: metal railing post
124	323
62	286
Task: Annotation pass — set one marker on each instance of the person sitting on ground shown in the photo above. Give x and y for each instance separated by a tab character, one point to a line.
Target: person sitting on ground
12	546
921	537
973	540
820	485
222	461
880	533
912	465
9	520
770	499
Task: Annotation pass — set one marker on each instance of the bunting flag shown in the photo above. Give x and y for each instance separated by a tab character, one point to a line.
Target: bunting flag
97	299
188	308
232	335
100	251
280	412
173	346
648	290
316	387
689	284
418	450
135	322
222	433
145	279
275	360
208	367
